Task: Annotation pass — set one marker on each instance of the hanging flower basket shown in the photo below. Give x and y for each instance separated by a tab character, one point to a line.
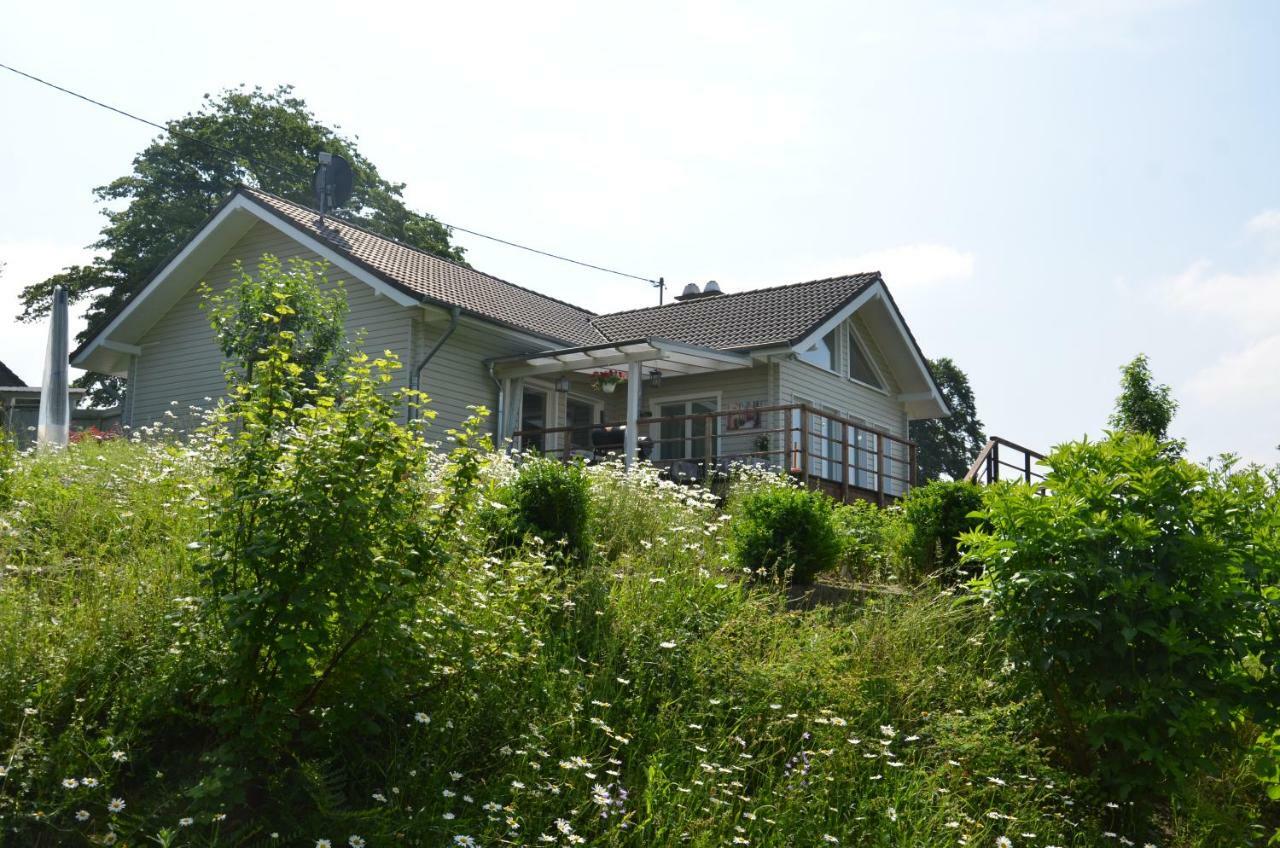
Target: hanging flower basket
607	381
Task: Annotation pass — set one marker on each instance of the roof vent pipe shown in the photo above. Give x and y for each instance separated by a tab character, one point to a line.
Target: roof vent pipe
711	288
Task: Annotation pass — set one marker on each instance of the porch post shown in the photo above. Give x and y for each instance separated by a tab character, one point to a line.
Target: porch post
634	377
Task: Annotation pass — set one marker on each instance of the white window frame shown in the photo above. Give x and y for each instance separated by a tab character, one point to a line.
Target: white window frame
655	407
856	338
835	353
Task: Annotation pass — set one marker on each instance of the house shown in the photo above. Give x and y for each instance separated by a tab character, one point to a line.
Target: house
20	409
820	377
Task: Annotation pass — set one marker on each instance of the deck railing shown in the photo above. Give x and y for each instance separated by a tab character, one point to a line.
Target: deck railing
846	458
993	463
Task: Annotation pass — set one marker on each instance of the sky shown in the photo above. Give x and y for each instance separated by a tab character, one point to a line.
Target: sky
1048	188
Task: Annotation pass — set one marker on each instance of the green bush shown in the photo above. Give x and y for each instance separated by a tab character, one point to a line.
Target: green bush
1139	596
936	514
868	538
552	500
785	531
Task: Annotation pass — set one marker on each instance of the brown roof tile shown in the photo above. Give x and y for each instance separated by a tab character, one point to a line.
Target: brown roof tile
741	320
439	280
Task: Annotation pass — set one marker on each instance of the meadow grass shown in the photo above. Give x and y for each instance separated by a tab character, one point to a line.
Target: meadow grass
655	696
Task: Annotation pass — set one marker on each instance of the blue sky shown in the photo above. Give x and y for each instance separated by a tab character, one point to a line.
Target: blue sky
1049	188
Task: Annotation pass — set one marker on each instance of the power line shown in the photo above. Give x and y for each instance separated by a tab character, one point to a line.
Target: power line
290	172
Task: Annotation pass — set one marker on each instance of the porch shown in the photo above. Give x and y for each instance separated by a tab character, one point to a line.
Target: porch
843	458
695	413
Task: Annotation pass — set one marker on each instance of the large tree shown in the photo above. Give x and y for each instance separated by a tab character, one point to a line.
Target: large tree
948	446
267	139
1143	405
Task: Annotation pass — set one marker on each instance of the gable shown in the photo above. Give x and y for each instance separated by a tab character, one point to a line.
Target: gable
892	349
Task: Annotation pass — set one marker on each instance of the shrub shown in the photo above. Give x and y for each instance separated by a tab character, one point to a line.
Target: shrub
1133	595
868	536
936	514
783	531
552	500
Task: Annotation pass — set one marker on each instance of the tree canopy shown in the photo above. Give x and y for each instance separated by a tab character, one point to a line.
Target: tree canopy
1143	406
265	139
947	446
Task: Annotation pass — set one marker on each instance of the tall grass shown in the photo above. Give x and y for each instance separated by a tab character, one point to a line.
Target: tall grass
651	696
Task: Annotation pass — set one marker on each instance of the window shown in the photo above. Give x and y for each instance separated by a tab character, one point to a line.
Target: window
860	367
822	353
686	437
533	416
580	415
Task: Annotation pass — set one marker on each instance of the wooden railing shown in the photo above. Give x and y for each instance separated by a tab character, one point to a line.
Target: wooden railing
846	458
986	469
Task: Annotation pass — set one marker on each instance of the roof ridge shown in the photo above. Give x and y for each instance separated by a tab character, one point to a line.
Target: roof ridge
729	295
252	190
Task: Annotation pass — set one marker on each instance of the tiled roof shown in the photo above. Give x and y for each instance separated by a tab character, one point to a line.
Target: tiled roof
742	320
439	280
781	315
8	378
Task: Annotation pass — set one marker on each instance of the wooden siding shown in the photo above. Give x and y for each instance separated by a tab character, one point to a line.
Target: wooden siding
180	362
803	382
458	375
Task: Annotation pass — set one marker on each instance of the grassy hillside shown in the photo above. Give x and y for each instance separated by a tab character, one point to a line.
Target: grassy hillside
653	696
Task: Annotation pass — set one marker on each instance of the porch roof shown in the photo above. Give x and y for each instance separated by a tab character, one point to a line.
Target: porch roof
668	356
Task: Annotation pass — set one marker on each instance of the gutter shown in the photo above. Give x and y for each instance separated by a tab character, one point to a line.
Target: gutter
415	376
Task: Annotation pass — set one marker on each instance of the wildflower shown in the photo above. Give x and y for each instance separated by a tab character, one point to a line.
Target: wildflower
668	645
826	837
90	782
355	841
119	756
464	841
116	805
217	817
323	843
186	821
82	815
422	718
892	813
70	783
109	838
887	730
380	798
448	817
455	775
1004	842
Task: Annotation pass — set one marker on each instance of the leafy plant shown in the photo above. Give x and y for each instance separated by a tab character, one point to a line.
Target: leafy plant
1143	406
936	514
551	500
785	532
1138	594
868	537
292	308
316	540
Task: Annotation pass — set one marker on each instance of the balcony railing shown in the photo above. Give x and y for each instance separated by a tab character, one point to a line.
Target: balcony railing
993	463
845	458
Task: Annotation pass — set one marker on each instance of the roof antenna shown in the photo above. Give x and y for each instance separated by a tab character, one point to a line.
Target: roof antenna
333	183
661	286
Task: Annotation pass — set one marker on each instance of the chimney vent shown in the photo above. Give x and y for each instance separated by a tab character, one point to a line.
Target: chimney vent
691	292
711	289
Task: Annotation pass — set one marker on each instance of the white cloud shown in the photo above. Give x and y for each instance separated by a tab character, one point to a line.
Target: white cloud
911	267
1247	380
1266	226
1250	300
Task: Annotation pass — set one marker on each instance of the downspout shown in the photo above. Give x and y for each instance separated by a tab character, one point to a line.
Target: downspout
415	376
497	421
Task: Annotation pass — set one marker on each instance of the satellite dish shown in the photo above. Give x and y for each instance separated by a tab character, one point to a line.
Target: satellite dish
333	182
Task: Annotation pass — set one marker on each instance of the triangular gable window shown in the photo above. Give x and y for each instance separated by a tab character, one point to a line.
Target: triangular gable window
861	368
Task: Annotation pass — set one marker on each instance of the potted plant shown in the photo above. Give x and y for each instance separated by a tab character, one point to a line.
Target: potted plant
607	381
